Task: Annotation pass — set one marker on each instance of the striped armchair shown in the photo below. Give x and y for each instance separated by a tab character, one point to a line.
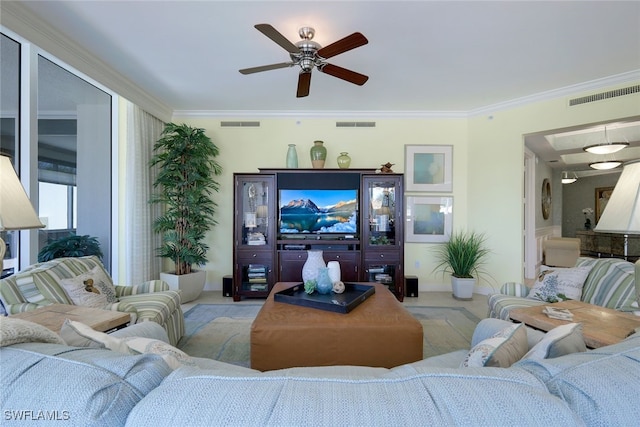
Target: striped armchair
610	284
39	285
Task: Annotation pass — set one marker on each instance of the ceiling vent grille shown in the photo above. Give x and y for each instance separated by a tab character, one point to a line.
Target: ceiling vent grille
355	124
605	95
231	124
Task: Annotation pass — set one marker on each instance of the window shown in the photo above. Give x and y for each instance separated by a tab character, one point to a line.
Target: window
74	149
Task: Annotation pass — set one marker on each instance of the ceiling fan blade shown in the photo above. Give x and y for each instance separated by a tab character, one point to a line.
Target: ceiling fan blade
304	83
266	68
274	35
344	74
350	42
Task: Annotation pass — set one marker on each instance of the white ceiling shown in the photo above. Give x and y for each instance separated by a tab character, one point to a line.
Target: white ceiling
423	56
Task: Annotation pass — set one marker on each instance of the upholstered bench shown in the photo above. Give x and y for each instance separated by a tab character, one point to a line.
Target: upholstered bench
379	332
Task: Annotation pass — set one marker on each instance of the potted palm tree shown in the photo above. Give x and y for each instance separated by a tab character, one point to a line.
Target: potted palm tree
463	256
185	184
70	246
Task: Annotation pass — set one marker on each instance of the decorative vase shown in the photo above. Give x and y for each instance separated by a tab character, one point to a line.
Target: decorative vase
324	285
292	157
334	271
318	154
344	160
587	224
311	266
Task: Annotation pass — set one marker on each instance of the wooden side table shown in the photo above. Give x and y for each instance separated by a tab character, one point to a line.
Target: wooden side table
53	316
600	326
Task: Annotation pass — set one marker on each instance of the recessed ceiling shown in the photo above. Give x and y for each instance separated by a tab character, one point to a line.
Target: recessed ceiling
426	56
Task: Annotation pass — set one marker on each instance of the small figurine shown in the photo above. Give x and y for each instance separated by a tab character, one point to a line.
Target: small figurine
338	287
386	168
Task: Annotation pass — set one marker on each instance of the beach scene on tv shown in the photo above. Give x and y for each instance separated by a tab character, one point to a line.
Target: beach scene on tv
318	211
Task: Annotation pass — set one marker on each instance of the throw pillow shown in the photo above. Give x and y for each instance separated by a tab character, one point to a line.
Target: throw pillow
91	289
16	331
80	335
501	350
556	284
561	340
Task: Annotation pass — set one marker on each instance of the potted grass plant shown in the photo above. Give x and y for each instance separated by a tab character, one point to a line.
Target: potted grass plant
185	185
463	256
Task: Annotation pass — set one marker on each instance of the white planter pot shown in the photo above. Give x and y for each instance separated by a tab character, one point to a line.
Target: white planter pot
191	284
462	288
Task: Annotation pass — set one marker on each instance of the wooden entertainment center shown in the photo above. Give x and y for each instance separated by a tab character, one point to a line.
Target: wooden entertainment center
368	243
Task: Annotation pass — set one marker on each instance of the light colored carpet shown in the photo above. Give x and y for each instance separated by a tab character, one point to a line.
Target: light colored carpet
222	331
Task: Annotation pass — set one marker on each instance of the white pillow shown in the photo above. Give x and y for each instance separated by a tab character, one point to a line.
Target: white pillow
501	350
91	289
16	331
80	335
554	283
561	340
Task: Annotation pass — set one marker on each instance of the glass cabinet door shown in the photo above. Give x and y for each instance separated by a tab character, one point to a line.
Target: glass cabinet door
382	210
253	199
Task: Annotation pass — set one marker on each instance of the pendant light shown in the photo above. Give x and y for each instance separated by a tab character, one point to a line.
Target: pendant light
605	164
606	147
569	179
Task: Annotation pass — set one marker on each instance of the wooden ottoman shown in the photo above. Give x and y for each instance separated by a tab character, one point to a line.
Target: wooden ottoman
379	332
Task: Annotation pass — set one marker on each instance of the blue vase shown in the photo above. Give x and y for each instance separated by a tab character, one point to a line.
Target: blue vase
324	284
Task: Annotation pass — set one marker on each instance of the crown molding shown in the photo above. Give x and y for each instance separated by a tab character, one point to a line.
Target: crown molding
19	19
328	114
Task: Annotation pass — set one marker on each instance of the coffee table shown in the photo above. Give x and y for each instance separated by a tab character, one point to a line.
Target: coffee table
600	326
53	316
378	332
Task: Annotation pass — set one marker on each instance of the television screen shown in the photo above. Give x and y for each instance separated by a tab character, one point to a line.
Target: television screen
319	211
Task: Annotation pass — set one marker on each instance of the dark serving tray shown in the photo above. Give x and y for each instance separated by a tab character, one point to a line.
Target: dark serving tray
354	294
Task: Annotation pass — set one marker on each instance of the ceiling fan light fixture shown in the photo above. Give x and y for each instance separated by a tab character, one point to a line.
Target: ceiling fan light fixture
569	179
605	165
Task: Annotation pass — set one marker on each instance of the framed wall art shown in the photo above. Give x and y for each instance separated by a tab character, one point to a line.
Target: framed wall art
428	168
428	219
603	194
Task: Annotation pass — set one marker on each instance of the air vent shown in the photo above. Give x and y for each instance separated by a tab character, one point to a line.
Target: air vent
229	124
355	124
605	95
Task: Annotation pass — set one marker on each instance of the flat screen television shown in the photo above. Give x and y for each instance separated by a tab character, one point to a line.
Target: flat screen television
318	211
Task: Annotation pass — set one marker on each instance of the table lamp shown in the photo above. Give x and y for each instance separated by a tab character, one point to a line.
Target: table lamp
16	212
622	213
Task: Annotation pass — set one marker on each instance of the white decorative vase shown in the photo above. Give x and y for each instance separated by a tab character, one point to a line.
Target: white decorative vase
311	266
462	288
191	284
334	271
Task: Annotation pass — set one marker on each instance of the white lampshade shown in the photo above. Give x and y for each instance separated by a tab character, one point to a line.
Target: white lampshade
622	213
16	212
605	164
569	179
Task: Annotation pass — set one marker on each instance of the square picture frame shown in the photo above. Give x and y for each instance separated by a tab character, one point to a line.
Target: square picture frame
428	219
429	168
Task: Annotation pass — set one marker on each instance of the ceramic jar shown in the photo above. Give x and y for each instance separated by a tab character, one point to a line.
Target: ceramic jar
318	154
334	271
311	266
324	285
344	161
292	157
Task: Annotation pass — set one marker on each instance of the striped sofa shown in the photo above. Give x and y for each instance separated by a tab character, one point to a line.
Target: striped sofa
610	283
39	285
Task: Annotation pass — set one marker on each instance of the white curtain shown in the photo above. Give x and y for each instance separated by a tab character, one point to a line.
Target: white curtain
141	262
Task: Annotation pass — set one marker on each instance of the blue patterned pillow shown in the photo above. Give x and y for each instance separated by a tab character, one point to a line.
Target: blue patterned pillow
556	284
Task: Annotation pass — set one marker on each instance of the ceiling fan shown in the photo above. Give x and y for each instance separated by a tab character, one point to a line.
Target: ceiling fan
309	54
